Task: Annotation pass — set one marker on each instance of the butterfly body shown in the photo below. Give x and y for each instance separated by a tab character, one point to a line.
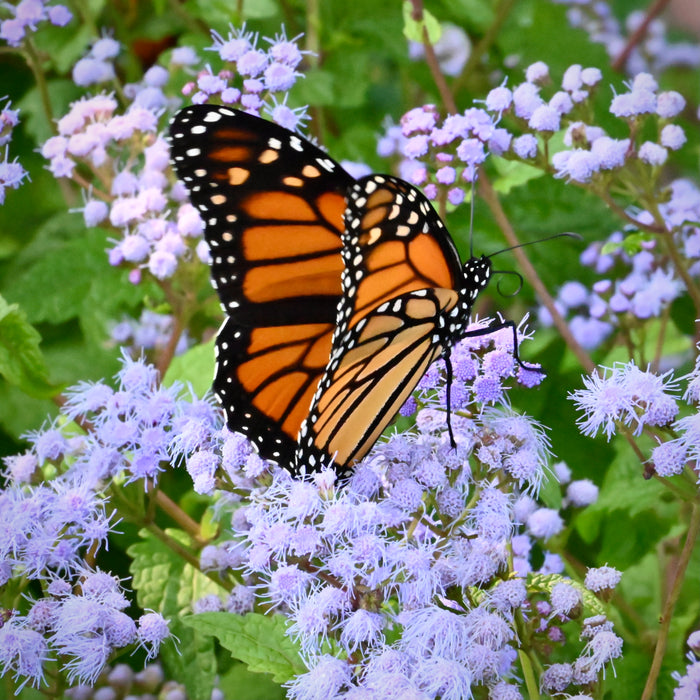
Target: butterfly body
339	293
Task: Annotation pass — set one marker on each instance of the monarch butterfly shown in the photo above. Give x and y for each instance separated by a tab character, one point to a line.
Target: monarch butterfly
338	293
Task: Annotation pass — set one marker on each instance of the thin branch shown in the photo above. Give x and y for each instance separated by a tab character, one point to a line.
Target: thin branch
190	526
166	356
656	8
670	604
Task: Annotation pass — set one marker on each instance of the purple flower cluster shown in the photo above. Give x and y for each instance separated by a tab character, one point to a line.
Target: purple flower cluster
97	67
602	647
443	154
138	192
594	156
253	77
83	629
482	366
11	172
637	282
689	682
140	427
121	681
152	331
373	567
27	15
625	395
654	53
130	433
671	456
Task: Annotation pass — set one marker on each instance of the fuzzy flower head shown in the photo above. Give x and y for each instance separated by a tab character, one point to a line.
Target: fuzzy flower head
27	16
627	395
253	75
158	231
602	581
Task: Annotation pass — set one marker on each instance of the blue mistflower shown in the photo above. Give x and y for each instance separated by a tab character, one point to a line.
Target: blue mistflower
565	599
503	690
526	99
499	99
286	583
234	46
446	678
545	118
23	651
285	50
557	677
545	523
525	146
361	628
327	677
153	630
670	457
508	595
602	578
669	104
672	136
652	153
407	494
582	492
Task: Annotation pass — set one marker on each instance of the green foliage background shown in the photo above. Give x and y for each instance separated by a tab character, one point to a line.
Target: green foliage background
61	295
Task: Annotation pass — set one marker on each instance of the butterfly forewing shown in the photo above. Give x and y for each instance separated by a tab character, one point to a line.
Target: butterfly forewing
272	204
398	298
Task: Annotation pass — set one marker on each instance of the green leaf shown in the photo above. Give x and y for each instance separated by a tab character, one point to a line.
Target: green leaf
70	277
165	582
194	367
413	29
479	14
512	174
21	360
240	683
545	582
257	640
550	491
317	88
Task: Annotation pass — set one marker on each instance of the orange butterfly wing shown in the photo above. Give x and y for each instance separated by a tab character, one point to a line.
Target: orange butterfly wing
272	204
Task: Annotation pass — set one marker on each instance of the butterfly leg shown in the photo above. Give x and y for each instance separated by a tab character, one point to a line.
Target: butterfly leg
448	397
497	325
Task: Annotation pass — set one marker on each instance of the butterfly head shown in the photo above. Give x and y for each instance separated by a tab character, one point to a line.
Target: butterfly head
477	273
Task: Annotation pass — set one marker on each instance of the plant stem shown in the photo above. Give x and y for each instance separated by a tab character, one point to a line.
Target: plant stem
619	63
670	604
502	12
168	352
35	66
190	526
489	195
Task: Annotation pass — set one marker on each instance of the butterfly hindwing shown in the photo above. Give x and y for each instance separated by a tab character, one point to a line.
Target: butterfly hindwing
266	378
373	369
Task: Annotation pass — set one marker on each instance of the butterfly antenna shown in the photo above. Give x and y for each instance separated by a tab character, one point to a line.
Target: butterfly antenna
471	215
448	398
509	272
567	234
